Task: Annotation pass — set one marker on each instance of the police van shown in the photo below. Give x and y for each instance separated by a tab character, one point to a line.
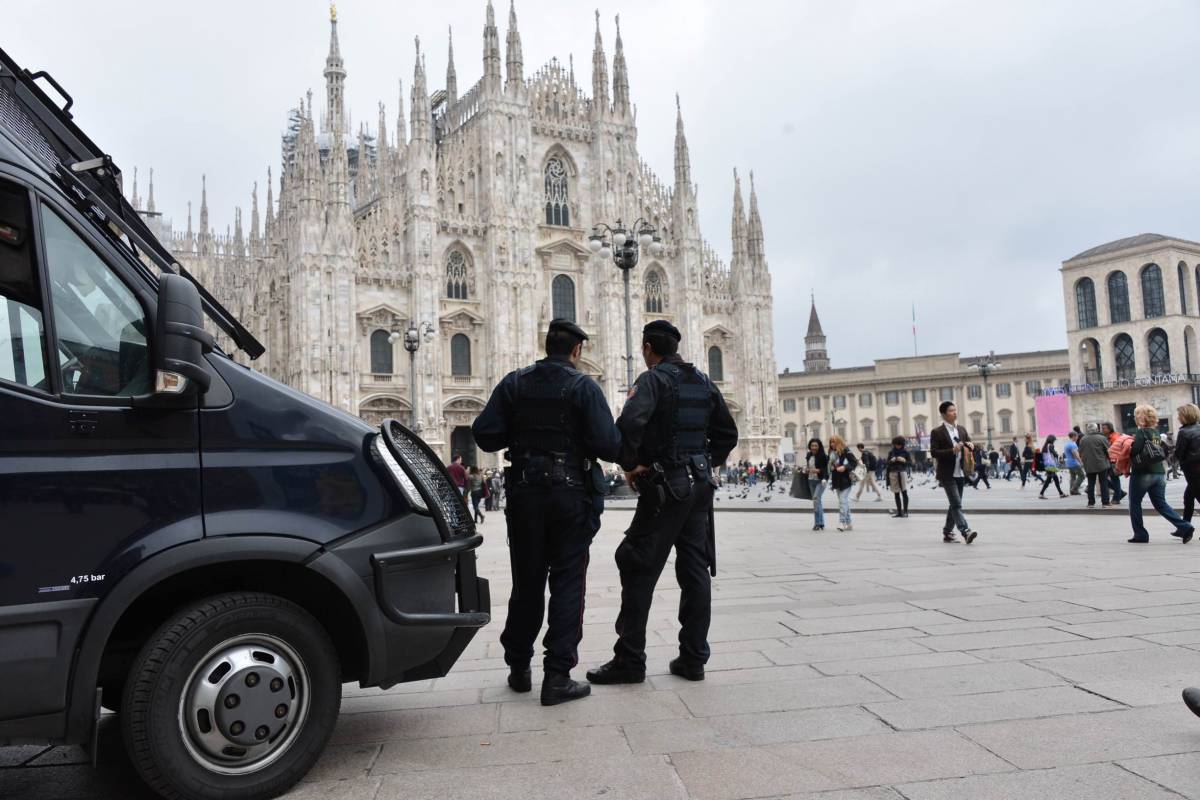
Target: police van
183	541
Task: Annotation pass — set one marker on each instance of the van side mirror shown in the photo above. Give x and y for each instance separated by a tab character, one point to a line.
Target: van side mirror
180	340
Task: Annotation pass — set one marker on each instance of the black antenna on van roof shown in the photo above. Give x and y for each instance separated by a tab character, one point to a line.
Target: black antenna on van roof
91	179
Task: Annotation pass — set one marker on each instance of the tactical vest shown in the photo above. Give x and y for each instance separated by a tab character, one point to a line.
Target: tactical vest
546	422
678	428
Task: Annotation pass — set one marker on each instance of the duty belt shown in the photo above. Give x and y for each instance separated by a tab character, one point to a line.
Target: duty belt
549	470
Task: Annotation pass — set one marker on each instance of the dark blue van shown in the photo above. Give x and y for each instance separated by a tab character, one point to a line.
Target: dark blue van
184	541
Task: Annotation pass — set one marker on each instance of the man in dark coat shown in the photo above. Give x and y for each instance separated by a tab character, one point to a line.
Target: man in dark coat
555	422
947	443
1093	452
675	430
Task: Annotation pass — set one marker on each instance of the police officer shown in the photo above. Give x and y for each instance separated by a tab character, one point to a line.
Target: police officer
555	422
675	430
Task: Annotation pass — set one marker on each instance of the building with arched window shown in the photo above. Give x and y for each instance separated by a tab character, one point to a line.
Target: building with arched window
1143	348
470	211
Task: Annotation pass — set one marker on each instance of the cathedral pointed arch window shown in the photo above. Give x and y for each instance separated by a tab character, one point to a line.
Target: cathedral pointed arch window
562	296
457	283
716	364
656	296
381	353
460	355
557	211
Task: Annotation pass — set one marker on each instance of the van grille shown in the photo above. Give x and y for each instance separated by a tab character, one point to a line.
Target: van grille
431	475
14	120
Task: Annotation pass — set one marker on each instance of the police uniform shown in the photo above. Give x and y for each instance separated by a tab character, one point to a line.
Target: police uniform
675	422
554	422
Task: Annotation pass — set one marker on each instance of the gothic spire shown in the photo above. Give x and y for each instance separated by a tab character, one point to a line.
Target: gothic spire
254	228
683	162
491	52
451	77
754	228
421	114
620	76
816	357
134	200
269	220
335	78
513	57
150	198
203	235
599	73
401	126
738	230
189	227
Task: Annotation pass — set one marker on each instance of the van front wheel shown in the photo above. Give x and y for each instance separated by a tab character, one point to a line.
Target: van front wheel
234	697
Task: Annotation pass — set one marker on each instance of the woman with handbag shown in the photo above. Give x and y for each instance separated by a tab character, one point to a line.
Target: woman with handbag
1147	455
842	464
816	472
1049	461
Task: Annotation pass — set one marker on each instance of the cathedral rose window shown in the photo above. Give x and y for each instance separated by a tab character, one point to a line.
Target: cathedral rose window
557	212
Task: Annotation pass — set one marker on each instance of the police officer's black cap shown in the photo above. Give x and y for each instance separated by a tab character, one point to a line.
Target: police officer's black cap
566	326
663	327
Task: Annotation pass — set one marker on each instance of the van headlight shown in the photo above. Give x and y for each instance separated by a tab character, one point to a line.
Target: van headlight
409	489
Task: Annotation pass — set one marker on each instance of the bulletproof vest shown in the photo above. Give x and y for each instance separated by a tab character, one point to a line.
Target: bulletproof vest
546	422
678	428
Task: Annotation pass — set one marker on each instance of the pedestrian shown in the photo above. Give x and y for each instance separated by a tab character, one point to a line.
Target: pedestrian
1187	450
555	422
1028	459
477	486
676	429
949	445
1147	454
981	469
769	474
899	466
869	462
1072	463
842	464
994	458
1172	461
1116	442
1049	460
458	474
1014	462
816	465
1093	455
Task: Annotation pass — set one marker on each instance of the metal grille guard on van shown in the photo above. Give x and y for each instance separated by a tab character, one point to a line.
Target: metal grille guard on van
472	592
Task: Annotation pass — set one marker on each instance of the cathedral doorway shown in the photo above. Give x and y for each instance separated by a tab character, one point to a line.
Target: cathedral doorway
462	443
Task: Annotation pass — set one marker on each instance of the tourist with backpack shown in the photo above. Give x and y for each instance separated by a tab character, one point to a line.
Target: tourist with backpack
1147	454
869	462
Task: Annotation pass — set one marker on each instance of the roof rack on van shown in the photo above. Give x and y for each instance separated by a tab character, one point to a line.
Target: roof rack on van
91	180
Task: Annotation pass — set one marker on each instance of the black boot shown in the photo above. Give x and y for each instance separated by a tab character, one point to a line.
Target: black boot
693	672
557	687
615	672
520	679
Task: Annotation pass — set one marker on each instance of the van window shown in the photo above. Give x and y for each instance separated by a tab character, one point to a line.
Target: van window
22	335
100	327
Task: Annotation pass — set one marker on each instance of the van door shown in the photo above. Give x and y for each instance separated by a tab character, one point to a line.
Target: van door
89	484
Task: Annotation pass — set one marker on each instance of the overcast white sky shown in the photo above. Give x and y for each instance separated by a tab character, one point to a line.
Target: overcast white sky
950	154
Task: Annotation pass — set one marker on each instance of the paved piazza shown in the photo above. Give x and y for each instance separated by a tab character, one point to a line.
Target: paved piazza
1045	661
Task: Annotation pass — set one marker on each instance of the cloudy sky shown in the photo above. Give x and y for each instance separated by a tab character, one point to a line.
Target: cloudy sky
947	154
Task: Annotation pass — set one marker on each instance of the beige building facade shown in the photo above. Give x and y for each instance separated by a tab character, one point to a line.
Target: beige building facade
900	396
1132	308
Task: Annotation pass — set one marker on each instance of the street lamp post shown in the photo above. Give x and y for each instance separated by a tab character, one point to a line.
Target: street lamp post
615	242
412	343
986	366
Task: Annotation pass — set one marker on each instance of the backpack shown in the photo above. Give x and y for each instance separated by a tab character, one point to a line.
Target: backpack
1152	452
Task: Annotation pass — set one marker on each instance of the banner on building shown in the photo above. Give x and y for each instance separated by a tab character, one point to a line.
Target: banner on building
1053	415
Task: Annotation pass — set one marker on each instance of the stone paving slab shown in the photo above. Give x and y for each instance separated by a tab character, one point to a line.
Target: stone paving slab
1043	662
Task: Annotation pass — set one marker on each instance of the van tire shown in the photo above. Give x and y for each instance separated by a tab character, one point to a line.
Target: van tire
154	715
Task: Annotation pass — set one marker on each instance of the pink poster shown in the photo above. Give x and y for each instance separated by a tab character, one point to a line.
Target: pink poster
1053	415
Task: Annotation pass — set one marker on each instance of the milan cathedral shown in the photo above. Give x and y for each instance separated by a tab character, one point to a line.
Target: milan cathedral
473	217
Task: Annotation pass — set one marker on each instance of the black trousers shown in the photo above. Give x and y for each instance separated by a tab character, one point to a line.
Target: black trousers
641	556
1101	478
550	530
1191	473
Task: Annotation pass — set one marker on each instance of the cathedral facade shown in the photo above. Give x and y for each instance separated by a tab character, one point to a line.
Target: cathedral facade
469	223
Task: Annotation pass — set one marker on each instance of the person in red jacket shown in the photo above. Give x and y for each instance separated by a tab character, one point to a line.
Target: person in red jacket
458	474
